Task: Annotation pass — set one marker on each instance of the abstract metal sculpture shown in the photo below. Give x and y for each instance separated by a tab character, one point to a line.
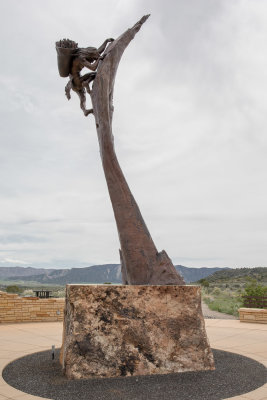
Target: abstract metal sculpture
141	263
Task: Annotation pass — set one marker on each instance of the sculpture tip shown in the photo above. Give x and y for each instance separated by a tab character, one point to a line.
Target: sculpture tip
144	18
138	25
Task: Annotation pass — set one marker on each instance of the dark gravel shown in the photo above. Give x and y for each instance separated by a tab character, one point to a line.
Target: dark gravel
38	375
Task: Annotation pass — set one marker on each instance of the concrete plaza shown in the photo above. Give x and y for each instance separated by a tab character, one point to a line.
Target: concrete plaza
17	340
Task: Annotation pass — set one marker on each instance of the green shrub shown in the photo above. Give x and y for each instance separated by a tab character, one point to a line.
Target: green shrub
203	282
13	289
253	288
216	291
225	305
256	290
223	301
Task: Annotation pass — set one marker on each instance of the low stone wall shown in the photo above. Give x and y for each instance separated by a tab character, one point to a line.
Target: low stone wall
29	309
258	315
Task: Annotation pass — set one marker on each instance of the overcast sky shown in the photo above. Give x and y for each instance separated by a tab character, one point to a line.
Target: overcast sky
189	124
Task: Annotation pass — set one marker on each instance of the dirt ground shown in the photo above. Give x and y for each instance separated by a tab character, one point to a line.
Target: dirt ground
215	314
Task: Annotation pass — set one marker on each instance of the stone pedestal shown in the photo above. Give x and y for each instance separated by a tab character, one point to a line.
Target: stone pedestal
133	330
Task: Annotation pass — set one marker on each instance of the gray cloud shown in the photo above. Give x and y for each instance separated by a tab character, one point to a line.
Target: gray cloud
5	239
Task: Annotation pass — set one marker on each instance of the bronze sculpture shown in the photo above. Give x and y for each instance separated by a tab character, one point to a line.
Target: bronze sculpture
79	58
141	263
122	330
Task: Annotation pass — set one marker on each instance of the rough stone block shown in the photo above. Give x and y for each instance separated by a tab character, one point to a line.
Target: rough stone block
133	330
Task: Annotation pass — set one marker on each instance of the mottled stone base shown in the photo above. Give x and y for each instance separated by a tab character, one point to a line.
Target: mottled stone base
133	330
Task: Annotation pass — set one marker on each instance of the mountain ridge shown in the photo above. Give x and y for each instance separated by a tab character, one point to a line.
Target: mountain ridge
239	275
92	274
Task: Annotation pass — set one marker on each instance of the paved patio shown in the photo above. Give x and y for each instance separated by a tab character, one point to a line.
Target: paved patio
17	340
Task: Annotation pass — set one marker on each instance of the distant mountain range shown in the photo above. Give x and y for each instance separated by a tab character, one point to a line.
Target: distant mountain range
239	275
94	274
9	272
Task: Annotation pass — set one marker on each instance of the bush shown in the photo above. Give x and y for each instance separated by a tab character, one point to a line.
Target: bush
225	305
253	288
203	282
13	289
216	291
223	301
256	291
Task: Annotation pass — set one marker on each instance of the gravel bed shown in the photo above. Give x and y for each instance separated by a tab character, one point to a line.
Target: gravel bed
38	375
